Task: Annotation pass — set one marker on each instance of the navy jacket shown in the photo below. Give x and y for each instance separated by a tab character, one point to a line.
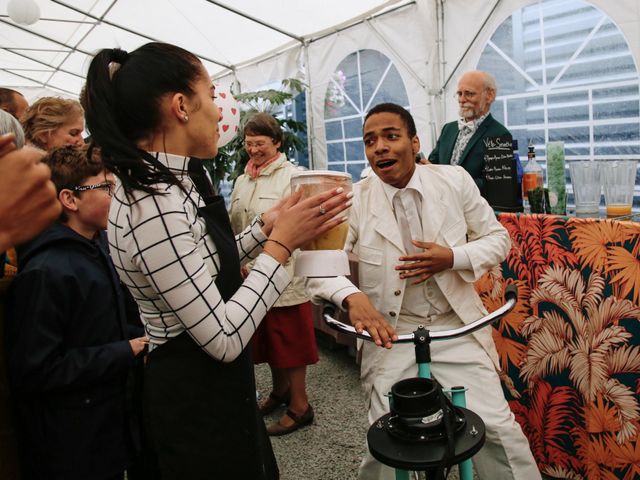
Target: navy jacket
68	358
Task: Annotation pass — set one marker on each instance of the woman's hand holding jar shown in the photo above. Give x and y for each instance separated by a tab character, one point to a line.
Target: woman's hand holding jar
295	222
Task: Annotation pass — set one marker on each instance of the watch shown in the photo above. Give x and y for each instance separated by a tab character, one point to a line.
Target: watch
259	220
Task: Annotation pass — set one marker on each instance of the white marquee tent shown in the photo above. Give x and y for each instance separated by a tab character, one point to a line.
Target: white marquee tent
566	69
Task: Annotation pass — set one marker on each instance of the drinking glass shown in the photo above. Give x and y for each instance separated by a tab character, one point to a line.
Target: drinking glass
585	178
618	180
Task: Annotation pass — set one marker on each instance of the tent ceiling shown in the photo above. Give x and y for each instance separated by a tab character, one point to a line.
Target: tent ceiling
54	52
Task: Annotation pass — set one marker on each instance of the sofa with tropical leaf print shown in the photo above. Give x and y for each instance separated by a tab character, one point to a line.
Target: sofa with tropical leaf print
571	347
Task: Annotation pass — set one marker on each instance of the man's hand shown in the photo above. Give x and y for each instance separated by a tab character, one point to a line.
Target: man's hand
28	200
424	265
363	316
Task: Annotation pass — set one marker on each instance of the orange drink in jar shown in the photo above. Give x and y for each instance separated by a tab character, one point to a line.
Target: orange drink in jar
313	182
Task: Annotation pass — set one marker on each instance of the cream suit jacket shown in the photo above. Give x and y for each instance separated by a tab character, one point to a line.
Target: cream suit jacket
453	214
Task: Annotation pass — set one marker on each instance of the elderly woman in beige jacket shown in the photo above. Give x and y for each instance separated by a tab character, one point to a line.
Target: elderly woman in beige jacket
286	338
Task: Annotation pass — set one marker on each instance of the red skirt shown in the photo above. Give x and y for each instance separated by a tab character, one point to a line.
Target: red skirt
286	338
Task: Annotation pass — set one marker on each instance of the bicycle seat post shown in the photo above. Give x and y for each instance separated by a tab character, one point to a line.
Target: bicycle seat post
422	342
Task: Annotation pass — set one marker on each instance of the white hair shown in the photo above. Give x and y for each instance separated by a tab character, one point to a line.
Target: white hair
490	82
9	124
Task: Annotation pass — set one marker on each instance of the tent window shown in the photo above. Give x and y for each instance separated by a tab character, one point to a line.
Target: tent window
362	80
566	73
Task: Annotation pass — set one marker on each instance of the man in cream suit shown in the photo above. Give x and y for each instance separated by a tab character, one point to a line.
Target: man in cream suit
423	234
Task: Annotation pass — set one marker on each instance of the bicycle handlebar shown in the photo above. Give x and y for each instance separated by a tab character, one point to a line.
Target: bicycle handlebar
511	296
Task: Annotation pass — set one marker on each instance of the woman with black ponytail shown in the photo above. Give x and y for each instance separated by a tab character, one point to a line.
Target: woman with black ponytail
150	111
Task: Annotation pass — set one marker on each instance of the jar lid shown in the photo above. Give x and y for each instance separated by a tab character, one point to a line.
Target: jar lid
321	173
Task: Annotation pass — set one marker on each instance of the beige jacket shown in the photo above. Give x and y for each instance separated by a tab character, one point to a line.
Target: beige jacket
253	197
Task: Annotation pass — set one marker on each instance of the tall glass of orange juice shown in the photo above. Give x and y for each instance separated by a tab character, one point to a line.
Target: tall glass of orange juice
618	181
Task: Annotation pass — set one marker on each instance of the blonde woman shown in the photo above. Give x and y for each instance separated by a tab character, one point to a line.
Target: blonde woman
53	122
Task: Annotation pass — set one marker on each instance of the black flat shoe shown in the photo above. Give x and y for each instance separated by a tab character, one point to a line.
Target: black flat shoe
273	402
299	421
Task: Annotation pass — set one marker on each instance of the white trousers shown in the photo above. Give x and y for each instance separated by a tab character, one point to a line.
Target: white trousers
506	454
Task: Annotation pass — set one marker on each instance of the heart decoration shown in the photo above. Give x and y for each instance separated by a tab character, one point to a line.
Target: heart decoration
230	115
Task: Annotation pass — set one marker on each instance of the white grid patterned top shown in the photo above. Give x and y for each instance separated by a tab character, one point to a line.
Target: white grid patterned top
162	254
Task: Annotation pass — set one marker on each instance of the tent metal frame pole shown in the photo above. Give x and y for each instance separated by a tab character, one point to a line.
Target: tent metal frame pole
256	20
52	40
44	64
95	24
128	30
486	20
442	62
309	99
283	49
32	80
358	21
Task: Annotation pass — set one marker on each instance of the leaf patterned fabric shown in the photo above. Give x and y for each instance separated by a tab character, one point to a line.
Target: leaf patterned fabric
571	346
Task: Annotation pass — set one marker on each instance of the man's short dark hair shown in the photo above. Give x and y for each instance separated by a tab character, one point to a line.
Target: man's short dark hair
8	100
71	165
398	110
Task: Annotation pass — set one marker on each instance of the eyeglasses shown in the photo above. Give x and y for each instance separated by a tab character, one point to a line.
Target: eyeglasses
469	95
255	145
466	94
107	186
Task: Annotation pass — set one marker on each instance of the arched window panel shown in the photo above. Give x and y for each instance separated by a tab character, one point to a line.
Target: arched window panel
362	80
565	72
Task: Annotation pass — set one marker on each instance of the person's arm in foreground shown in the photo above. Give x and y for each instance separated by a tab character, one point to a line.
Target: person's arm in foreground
28	201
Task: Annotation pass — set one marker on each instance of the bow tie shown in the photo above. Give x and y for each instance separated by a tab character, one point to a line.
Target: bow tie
469	126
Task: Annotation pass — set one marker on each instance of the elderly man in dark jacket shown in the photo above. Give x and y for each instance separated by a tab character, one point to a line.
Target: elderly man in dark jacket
68	342
460	141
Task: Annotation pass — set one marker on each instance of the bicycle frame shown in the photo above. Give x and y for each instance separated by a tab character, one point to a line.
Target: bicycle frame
423	360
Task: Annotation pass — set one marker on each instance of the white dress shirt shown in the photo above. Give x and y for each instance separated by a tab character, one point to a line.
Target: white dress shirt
419	300
414	187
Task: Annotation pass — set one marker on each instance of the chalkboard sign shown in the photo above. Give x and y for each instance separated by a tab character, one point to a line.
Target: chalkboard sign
500	174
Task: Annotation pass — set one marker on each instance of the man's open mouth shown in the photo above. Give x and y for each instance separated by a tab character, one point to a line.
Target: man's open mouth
382	164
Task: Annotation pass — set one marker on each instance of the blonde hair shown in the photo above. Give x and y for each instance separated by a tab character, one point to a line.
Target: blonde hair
46	115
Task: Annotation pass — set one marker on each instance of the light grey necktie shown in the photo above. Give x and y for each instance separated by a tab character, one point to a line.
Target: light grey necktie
408	219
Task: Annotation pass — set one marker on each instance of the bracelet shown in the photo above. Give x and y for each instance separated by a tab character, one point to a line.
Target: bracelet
280	243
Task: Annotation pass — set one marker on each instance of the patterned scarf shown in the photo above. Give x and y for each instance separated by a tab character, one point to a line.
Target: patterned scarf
254	170
467	129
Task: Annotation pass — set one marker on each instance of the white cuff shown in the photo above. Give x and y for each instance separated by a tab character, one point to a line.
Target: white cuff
460	259
339	296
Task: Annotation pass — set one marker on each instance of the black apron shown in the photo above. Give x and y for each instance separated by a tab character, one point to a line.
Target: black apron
201	414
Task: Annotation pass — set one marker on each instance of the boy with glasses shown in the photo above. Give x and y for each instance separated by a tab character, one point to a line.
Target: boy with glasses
69	347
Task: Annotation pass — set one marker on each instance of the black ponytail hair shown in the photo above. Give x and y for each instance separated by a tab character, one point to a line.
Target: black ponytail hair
121	99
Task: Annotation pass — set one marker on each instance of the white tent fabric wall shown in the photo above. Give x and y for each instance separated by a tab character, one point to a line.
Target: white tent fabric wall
254	76
403	36
429	50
